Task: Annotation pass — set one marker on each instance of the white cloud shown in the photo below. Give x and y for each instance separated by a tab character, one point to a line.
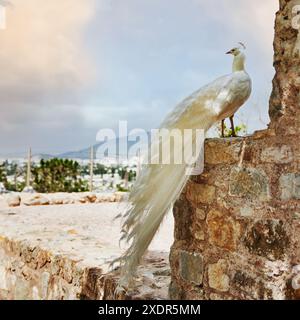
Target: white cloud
44	66
254	19
41	50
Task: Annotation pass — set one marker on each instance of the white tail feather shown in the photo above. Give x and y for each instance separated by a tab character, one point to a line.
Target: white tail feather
153	195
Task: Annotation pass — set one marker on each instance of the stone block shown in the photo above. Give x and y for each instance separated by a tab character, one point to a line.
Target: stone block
200	214
14	201
217	277
221	151
191	267
200	193
290	186
223	230
249	183
268	239
174	291
246	212
37	200
279	154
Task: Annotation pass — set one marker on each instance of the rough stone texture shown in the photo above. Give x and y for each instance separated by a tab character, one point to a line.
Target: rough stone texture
198	193
37	200
14	200
62	252
290	186
267	238
277	154
285	98
249	183
248	233
191	265
28	199
242	215
223	230
217	277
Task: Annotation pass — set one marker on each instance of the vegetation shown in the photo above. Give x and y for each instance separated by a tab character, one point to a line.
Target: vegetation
239	130
121	188
58	175
17	186
101	170
126	174
3	176
11	169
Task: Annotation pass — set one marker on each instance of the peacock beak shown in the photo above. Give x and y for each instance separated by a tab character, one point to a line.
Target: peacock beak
229	52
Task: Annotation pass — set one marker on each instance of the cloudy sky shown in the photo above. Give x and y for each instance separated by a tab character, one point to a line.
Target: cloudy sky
71	67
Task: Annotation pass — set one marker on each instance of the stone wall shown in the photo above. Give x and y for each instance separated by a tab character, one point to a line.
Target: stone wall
63	252
28	272
237	226
285	97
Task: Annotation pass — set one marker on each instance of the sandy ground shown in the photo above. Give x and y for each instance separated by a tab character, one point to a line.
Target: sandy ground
87	233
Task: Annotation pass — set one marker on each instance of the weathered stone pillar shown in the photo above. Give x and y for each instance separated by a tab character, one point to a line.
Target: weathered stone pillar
237	226
285	99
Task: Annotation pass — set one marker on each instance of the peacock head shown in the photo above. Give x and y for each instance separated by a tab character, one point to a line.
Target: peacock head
236	51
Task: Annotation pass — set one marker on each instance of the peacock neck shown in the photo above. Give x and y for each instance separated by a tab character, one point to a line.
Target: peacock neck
238	63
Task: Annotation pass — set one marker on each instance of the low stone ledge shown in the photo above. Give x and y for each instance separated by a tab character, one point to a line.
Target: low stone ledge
16	199
63	253
31	273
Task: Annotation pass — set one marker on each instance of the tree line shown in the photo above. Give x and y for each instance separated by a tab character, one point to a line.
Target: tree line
57	175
